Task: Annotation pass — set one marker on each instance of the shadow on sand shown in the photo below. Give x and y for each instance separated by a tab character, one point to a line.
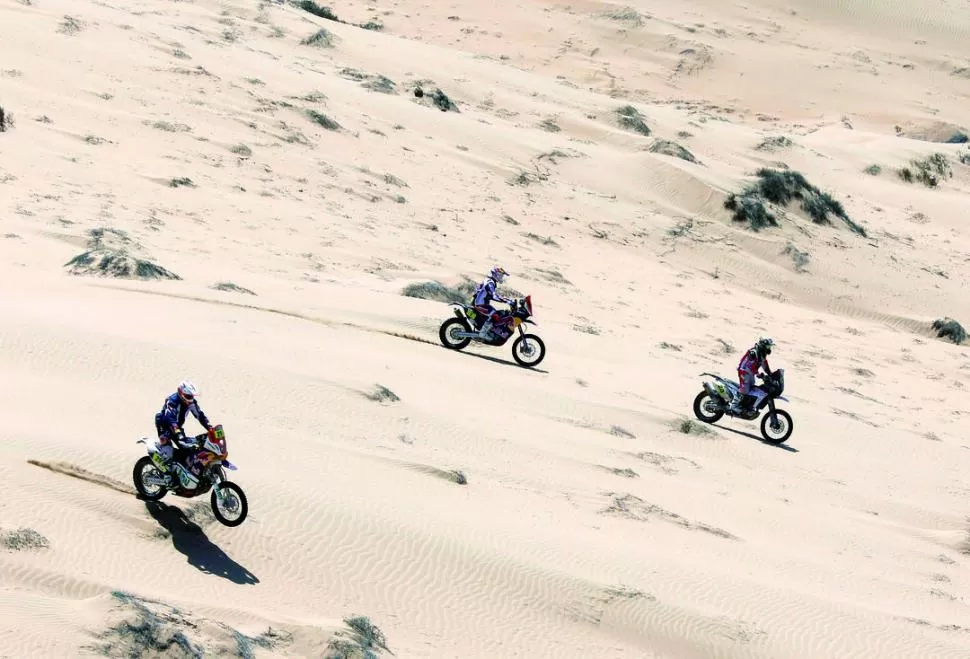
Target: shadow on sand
189	538
760	439
497	360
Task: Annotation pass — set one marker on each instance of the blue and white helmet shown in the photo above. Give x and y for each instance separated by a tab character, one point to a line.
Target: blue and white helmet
188	391
498	274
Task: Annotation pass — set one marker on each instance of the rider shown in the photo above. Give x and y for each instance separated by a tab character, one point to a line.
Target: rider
485	293
751	363
169	422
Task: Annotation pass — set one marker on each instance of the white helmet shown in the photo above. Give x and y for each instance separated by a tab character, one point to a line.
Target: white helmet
498	274
188	391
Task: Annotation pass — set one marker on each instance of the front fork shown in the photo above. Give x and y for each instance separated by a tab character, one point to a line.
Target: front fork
526	344
771	413
217	476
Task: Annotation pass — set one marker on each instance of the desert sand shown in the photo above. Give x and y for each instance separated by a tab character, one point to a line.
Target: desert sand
484	509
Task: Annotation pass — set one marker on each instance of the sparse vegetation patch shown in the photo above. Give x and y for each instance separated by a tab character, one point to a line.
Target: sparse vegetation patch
322	120
382	394
377	83
669	148
326	12
170	127
949	328
322	38
148	628
627	15
618	431
635	508
116	263
781	187
625	472
433	290
799	258
692	427
313	8
6	120
438	98
230	287
549	125
70	26
928	171
774	143
23	539
545	240
362	640
630	118
528	178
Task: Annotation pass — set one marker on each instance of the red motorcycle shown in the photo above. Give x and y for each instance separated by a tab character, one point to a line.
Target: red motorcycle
203	470
527	349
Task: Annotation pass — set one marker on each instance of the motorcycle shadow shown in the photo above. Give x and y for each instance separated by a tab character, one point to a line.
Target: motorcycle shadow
503	362
189	539
760	439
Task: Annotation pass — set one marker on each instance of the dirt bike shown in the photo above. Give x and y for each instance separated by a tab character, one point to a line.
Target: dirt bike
205	457
714	401
527	349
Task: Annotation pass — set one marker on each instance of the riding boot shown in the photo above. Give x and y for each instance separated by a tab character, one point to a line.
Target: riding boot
486	328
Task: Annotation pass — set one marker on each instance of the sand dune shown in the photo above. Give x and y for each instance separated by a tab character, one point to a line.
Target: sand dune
224	192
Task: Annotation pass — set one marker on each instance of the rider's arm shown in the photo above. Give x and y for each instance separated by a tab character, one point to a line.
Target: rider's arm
200	415
170	416
501	298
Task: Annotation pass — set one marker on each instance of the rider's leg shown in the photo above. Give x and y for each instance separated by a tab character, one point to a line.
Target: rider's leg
166	449
745	380
492	316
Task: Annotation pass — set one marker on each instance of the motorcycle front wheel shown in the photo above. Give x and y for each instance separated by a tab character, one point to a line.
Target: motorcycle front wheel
528	350
233	503
778	432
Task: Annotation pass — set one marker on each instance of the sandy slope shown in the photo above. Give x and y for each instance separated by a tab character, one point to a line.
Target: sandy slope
590	524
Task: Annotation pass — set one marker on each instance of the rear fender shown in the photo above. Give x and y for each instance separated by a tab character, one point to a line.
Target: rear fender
783	398
150	447
713	390
460	311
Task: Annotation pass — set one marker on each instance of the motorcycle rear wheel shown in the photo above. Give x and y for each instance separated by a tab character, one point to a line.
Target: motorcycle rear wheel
445	334
701	411
147	492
